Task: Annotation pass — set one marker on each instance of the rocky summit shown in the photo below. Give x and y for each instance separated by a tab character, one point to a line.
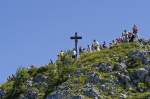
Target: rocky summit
119	72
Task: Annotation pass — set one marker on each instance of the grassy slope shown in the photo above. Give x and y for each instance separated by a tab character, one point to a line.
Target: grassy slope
87	60
113	56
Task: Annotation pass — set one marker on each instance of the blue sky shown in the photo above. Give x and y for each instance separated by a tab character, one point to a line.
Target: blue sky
34	31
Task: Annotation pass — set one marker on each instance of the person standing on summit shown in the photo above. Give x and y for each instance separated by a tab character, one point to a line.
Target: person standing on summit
74	54
95	45
135	31
62	55
125	36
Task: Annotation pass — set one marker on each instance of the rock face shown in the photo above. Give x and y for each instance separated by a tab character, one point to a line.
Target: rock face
139	75
32	94
147	68
124	79
78	72
120	67
58	95
107	87
77	97
55	96
40	78
90	91
121	72
139	55
147	78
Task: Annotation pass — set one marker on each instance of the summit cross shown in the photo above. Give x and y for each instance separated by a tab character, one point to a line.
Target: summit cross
76	38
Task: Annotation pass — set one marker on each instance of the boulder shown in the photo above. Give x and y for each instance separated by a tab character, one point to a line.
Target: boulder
40	78
32	94
139	55
120	67
63	86
22	96
108	87
139	75
142	73
105	67
147	78
77	97
55	95
78	72
147	68
123	78
29	82
104	87
94	78
146	61
123	96
90	91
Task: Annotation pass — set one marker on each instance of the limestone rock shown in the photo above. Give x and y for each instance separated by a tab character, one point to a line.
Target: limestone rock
105	67
78	72
40	78
120	67
123	96
94	78
90	91
147	78
123	78
55	96
77	97
147	68
32	94
139	75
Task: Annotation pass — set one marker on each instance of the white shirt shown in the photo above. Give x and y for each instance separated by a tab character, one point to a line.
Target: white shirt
74	52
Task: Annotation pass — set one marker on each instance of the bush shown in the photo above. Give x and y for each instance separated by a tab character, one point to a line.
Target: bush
33	71
22	75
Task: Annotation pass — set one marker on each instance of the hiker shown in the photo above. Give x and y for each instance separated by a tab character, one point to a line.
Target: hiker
51	61
89	49
104	45
92	47
125	36
110	45
95	45
74	55
83	50
119	40
135	31
80	50
62	56
113	42
12	77
130	36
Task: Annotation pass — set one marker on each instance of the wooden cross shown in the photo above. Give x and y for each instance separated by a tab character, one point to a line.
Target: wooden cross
76	38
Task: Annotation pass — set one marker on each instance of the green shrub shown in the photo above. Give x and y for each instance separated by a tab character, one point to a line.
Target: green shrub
33	71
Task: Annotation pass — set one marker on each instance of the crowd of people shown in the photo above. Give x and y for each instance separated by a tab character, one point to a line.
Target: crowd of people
126	37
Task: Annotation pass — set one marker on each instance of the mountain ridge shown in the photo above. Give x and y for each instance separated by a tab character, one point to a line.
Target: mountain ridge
120	72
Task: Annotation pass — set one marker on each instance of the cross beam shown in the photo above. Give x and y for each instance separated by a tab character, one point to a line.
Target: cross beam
76	38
